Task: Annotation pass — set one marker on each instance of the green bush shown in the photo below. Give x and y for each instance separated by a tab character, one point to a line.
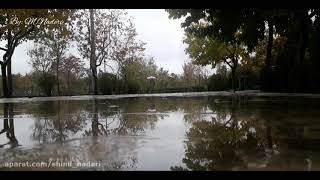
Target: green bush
133	86
107	83
217	83
46	83
250	79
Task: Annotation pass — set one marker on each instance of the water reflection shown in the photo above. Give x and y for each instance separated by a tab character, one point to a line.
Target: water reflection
8	126
269	135
195	133
56	121
227	142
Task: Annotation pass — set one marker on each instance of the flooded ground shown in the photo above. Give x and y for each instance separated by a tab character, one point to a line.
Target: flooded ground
161	133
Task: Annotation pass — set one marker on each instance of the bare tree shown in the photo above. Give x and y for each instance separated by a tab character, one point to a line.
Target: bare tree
40	59
98	31
72	66
58	45
127	49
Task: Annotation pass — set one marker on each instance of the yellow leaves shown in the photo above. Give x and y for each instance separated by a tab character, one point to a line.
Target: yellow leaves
212	51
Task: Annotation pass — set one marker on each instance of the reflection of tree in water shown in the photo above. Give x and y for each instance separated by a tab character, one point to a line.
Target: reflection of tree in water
57	120
8	126
125	117
194	108
269	135
118	117
294	127
230	141
97	128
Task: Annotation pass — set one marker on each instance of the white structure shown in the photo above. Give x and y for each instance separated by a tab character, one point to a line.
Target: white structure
151	77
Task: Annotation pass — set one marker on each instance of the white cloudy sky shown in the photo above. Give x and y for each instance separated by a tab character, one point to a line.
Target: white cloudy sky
163	37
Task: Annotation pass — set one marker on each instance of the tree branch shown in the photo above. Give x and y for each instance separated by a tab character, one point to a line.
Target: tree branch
100	61
111	68
312	14
26	33
103	48
224	60
4	49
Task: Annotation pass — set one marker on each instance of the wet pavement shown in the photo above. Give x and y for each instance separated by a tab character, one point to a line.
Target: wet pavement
162	132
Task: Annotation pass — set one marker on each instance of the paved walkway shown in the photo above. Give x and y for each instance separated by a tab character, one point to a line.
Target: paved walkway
186	94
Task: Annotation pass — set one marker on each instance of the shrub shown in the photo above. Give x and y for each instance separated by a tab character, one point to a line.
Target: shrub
217	83
133	86
46	83
107	83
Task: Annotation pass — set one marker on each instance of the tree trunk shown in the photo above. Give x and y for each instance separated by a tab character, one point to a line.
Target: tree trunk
93	61
4	81
95	119
59	125
297	43
5	116
68	81
57	71
267	72
233	71
124	85
94	80
10	89
7	60
269	137
11	124
304	33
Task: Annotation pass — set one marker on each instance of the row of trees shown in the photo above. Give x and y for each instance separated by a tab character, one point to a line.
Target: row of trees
102	38
275	49
282	42
74	78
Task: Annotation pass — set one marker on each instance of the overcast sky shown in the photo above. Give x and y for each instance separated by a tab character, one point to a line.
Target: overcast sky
163	36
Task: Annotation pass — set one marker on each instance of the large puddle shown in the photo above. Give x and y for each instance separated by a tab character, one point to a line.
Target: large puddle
162	133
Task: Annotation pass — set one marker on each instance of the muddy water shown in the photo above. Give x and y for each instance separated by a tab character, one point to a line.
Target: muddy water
162	133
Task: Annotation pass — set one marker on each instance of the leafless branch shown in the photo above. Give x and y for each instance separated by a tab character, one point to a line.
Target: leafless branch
4	49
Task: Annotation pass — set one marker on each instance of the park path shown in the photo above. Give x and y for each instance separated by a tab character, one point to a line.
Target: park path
256	93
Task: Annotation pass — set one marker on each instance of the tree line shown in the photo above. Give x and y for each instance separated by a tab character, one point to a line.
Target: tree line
281	44
106	40
268	49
